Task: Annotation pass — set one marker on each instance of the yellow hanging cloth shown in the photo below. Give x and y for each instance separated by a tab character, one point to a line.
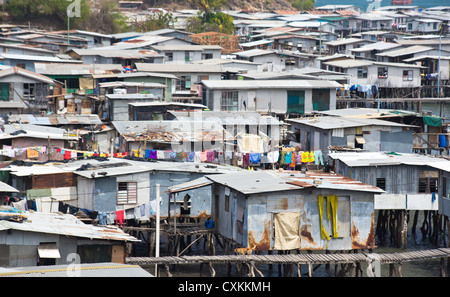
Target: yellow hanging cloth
311	157
333	202
305	157
323	232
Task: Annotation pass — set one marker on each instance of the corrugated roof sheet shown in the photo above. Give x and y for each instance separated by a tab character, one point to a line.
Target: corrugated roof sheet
7	188
172	131
405	51
343	122
64	224
178	68
386	158
55	120
34	131
270	84
345	41
253	182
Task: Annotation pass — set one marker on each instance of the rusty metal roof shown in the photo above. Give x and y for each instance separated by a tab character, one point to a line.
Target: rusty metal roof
252	182
171	131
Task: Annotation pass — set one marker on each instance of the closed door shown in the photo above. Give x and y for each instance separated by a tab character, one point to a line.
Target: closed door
296	102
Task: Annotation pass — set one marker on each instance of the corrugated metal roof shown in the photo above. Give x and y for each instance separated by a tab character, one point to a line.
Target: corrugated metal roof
254	53
252	182
55	120
34	131
270	84
132	96
168	104
179	68
7	188
76	69
116	167
26	73
376	46
38	58
197	183
128	53
172	131
186	47
64	224
343	122
228	117
349	63
386	158
346	41
118	84
367	113
405	51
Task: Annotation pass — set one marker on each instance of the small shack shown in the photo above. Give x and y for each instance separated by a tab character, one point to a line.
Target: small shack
275	210
34	239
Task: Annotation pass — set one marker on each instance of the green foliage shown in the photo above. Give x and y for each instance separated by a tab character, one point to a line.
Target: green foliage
210	19
212	22
156	22
107	19
25	10
303	4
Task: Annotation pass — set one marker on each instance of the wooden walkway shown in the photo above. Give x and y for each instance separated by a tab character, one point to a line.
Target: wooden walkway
384	258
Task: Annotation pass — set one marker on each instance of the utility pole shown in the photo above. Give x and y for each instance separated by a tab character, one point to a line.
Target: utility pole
439	68
158	217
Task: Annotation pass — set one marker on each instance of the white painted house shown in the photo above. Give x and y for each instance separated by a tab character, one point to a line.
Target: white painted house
270	96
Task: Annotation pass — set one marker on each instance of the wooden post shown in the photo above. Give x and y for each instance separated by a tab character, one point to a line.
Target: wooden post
157	226
404	229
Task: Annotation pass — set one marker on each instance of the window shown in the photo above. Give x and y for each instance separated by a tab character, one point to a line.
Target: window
4	91
362	72
184	83
227	203
186	207
407	75
186	56
29	91
381	183
126	192
169	57
428	185
229	101
207	56
382	72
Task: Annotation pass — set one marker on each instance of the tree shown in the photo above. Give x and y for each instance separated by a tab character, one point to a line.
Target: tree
156	21
56	10
210	19
107	19
303	4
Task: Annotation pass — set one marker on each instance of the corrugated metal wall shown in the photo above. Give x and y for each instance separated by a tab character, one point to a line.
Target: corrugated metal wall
355	218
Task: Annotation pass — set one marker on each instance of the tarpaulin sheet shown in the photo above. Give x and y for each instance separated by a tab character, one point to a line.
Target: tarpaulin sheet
432	121
286	231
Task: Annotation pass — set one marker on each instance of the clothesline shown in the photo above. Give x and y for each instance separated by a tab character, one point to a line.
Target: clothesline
210	156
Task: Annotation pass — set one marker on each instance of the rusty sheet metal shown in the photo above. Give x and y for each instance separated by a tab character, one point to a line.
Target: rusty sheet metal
363	226
259	227
301	184
57	180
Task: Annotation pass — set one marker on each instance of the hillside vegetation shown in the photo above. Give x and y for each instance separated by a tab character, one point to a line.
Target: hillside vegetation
106	18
